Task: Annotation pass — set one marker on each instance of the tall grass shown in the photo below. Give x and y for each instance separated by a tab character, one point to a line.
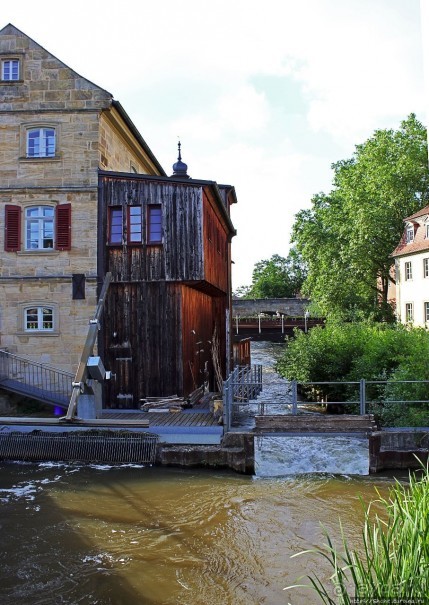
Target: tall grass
394	562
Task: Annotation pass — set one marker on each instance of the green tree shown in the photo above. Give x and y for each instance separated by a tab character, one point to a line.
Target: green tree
277	277
347	236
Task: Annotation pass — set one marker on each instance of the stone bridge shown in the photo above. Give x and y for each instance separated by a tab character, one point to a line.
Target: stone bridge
291	307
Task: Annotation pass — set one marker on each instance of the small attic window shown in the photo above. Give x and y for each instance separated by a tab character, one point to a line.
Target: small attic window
409	234
427	230
10	70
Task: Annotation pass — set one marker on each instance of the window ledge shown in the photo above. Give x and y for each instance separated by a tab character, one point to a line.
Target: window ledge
38	251
53	158
38	333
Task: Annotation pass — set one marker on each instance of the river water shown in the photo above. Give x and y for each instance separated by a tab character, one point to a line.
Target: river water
105	535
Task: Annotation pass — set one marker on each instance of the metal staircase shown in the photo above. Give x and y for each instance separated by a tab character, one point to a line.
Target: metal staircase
35	380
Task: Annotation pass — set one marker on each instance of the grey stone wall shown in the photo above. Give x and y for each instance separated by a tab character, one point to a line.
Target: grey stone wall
293	307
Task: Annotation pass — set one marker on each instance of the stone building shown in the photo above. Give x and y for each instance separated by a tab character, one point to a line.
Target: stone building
57	130
82	195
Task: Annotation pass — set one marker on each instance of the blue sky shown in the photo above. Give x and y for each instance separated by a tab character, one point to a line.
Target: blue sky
264	96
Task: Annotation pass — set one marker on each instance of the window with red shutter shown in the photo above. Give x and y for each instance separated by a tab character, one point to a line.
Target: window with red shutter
63	227
12	240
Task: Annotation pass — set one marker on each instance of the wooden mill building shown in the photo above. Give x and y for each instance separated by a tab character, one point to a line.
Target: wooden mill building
169	252
81	193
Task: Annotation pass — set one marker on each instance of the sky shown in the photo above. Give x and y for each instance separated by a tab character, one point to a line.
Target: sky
264	96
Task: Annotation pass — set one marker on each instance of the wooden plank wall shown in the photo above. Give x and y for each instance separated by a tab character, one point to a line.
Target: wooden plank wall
216	244
143	345
161	294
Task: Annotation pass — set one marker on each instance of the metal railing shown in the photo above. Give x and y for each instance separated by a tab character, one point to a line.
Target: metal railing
37	380
242	385
362	397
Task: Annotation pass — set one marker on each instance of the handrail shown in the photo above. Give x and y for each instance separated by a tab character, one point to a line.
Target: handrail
237	380
34	378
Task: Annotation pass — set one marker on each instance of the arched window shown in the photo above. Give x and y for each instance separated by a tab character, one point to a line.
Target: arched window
39	319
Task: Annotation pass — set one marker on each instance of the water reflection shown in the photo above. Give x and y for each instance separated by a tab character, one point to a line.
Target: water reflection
112	536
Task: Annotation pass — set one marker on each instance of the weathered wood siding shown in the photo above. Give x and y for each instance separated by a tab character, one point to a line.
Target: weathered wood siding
215	247
198	323
165	299
142	337
180	255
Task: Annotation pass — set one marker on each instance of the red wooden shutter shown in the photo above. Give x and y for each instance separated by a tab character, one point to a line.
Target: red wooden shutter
63	227
12	238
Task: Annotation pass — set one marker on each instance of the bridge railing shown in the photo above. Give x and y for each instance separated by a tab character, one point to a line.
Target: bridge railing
43	381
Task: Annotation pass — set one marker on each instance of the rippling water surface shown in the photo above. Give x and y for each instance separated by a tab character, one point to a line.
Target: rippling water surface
103	535
131	536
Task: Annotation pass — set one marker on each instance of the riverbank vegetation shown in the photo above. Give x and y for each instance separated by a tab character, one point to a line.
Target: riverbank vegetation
393	563
388	354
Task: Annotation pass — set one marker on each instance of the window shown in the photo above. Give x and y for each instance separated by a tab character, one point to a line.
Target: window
408	271
427	230
154	224
46	228
426	311
39	228
134	224
39	319
409	314
115	225
10	70
426	267
41	143
409	234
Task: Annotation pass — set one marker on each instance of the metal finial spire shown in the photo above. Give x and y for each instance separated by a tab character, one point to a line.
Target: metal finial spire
180	168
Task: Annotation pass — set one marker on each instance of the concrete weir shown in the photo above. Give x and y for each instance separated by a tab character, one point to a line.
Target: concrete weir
298	439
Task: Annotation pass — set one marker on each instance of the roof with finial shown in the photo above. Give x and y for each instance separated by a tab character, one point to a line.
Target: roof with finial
180	169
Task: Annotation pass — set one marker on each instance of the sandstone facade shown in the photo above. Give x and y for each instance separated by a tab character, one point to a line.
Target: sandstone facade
91	131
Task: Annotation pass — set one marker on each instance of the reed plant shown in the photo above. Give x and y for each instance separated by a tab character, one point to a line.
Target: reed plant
392	565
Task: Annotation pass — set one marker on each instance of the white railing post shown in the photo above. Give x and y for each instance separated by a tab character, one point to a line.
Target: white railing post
294	386
362	397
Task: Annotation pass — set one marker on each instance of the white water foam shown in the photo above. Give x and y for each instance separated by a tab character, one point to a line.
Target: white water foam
277	456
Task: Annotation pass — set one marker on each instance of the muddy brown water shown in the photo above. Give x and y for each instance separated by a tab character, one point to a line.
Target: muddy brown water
105	535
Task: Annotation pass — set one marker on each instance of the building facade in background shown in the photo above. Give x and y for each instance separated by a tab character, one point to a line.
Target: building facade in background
412	270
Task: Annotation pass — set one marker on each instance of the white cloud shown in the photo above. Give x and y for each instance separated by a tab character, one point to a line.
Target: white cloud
265	96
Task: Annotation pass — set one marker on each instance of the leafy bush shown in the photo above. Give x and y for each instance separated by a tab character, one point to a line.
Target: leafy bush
348	352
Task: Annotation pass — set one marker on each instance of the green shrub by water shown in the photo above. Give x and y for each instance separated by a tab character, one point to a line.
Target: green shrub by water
394	566
374	351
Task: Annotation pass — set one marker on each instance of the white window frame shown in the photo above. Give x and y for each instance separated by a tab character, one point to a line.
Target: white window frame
43	318
10	70
409	234
41	327
426	311
43	145
426	268
426	230
408	271
409	312
39	227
